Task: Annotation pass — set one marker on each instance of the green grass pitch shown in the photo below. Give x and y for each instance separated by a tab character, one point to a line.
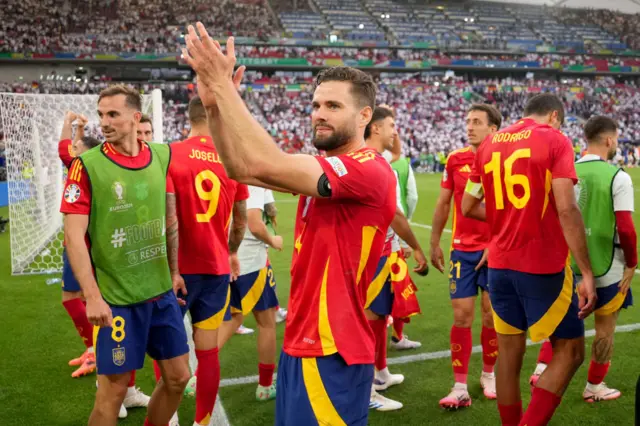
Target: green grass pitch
38	339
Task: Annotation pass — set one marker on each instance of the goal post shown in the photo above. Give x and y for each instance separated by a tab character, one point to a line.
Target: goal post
31	124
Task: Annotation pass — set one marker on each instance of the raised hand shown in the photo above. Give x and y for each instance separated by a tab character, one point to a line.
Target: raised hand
204	55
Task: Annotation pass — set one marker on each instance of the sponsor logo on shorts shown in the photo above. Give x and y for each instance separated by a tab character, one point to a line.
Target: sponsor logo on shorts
337	165
72	193
119	356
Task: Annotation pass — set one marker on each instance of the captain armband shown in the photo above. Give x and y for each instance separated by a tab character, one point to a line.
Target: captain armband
474	189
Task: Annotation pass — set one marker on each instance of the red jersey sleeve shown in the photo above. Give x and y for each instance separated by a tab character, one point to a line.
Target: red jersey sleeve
362	176
170	186
65	152
476	168
447	176
242	192
76	198
562	159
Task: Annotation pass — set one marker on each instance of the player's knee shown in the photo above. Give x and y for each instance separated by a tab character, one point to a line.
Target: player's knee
462	317
177	381
487	320
574	352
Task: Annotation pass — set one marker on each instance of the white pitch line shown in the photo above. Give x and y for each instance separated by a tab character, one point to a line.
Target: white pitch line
420	225
424	356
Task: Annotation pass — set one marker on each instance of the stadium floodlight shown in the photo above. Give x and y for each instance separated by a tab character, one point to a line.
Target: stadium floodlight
361	26
32	124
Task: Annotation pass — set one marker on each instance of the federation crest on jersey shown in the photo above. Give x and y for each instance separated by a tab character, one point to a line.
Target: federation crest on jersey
119	356
72	193
142	190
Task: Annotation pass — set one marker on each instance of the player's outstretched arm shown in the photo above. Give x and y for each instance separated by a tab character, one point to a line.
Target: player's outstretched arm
574	233
259	230
247	151
401	226
75	229
238	226
67	125
440	216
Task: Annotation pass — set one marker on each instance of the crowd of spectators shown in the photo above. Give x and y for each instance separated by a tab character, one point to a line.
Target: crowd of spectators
625	26
430	109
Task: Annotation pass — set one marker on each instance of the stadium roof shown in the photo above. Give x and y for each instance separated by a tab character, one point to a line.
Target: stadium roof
626	6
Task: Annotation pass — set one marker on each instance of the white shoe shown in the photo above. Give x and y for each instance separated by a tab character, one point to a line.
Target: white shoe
244	330
405	343
135	398
383	380
380	403
174	420
488	384
601	392
123	412
457	398
281	315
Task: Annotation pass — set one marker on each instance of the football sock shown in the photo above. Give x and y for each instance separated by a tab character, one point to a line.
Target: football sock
510	414
132	379
460	352
541	408
148	423
207	384
78	313
156	370
546	353
398	326
597	372
379	328
265	374
489	348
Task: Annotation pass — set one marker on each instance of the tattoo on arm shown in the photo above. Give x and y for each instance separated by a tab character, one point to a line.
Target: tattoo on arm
238	226
270	209
172	234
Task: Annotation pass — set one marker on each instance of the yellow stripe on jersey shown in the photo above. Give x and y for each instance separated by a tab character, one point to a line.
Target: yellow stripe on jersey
453	230
324	327
96	330
325	412
378	282
547	190
253	295
612	306
214	322
368	232
548	323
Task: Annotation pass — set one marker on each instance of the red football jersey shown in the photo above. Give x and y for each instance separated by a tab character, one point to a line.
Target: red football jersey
338	244
204	198
77	194
65	152
468	234
516	167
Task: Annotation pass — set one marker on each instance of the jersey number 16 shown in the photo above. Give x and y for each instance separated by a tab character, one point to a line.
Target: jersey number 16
510	180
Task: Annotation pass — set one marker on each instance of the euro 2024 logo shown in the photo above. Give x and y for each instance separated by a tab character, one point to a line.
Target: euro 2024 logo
119	192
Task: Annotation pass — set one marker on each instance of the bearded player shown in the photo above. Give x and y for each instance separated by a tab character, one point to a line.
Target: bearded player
467	266
526	175
605	196
124	271
326	367
204	199
380	135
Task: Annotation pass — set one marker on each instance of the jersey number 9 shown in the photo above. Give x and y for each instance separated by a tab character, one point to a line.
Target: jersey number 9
212	195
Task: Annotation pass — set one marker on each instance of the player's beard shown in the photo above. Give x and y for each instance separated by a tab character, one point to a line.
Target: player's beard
611	154
335	140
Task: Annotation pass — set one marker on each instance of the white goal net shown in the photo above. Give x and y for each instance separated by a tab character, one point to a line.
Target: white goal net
31	124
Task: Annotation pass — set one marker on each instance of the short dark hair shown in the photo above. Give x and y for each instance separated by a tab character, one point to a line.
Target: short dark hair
493	115
362	86
90	142
544	104
380	113
146	119
132	96
196	111
597	125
